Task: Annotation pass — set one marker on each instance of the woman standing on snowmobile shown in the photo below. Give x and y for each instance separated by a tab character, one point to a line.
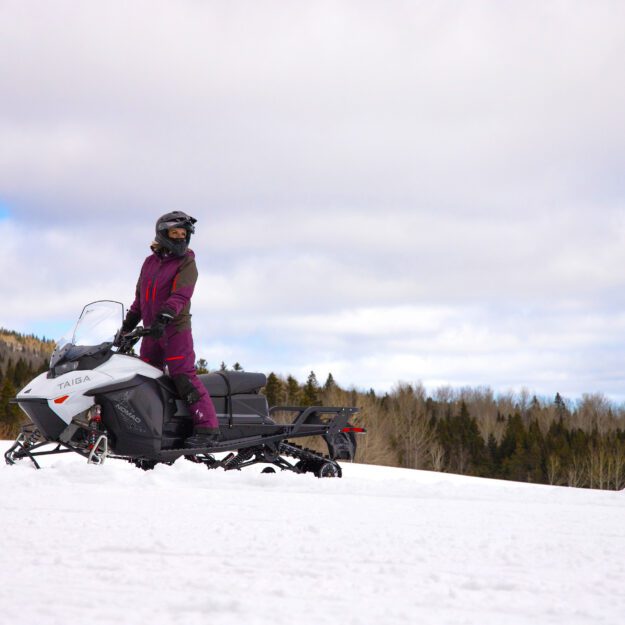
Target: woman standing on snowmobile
163	301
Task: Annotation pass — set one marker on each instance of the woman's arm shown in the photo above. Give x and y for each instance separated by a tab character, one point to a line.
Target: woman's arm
133	316
182	287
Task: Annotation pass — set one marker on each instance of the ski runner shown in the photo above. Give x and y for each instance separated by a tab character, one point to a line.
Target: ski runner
163	301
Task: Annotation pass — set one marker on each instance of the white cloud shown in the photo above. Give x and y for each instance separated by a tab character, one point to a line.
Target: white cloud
433	187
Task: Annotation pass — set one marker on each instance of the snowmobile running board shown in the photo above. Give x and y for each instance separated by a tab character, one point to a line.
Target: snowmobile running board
245	451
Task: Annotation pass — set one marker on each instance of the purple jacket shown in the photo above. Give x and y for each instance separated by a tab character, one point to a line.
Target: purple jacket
166	282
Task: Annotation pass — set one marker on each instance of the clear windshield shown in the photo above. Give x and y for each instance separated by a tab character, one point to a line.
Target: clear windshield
97	324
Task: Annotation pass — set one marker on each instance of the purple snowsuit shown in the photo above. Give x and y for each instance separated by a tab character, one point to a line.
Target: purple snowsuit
166	283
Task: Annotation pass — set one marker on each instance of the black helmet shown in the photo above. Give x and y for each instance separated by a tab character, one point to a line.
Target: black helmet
176	219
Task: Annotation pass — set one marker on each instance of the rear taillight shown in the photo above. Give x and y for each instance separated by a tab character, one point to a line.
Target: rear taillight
350	429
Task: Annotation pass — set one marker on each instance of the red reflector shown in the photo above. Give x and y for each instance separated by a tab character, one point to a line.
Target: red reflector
353	430
60	400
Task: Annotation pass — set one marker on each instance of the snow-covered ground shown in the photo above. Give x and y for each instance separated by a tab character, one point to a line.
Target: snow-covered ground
181	544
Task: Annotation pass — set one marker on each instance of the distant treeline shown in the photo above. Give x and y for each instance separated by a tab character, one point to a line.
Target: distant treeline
14	376
475	432
22	357
471	431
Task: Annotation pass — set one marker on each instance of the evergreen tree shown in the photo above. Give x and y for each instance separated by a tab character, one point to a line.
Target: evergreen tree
274	390
560	406
513	436
21	374
459	435
535	461
293	392
534	408
330	384
201	366
557	450
237	367
310	393
9	372
9	413
522	451
494	459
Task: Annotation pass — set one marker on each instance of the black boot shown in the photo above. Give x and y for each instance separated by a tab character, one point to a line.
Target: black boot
203	437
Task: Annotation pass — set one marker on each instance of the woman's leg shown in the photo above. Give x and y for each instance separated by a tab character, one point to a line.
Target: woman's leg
180	361
152	351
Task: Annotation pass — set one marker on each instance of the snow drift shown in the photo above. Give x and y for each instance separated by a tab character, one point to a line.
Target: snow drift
180	544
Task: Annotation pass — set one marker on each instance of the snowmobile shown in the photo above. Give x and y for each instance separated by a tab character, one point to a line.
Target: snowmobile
98	399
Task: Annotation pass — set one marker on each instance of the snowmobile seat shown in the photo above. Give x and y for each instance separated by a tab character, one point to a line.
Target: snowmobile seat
224	383
248	408
245	403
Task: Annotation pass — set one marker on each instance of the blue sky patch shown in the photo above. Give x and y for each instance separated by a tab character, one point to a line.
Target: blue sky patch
4	210
50	329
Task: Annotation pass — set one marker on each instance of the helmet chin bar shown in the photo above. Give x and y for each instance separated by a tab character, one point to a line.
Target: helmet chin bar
178	247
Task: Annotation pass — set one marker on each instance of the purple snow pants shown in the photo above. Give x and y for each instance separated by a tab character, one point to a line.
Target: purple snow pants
175	349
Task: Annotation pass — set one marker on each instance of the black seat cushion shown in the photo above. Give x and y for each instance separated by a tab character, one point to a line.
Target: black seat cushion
241	382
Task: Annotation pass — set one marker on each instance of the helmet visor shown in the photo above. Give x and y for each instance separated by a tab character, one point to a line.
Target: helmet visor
178	222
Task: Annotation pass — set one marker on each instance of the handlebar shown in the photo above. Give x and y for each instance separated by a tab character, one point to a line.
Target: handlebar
125	342
140	331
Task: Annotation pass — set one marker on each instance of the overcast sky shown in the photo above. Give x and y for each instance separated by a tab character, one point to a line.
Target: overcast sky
385	190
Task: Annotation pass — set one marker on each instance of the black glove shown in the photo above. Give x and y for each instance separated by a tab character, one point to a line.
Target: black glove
162	320
119	337
130	322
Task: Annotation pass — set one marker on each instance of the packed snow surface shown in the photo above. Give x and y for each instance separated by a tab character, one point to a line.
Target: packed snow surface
181	544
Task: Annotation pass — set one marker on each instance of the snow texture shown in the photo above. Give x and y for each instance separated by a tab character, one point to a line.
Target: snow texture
181	544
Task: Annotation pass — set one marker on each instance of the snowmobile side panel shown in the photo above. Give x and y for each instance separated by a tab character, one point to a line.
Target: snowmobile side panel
47	421
66	394
132	413
123	367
